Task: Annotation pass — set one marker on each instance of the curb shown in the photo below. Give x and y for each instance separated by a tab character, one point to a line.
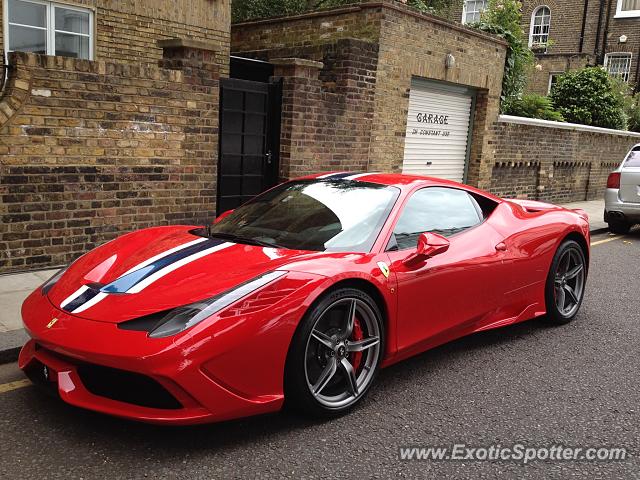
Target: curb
9	356
10	345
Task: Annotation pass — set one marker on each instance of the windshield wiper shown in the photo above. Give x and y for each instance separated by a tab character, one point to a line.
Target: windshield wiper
240	239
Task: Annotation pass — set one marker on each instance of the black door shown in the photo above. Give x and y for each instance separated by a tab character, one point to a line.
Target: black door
249	140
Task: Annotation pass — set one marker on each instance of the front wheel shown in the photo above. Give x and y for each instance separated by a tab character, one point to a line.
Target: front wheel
335	353
566	283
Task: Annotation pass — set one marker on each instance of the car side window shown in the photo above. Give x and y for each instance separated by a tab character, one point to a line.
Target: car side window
441	210
633	160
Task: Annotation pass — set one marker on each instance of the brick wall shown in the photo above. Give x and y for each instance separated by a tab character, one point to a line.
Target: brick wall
327	114
271	38
89	150
538	81
354	108
128	31
566	22
328	85
555	164
565	32
629	27
411	45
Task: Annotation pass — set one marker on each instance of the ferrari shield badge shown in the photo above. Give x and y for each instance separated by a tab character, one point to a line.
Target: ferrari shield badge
52	322
384	268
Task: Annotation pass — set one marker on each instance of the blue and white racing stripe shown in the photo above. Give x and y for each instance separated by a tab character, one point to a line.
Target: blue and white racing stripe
144	274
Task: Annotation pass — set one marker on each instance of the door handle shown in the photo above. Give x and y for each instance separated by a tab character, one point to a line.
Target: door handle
268	156
501	247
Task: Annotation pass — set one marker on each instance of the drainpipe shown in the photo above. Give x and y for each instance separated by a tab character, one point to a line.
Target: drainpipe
637	87
599	30
584	25
605	39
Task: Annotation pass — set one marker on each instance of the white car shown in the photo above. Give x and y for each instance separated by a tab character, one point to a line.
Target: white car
622	198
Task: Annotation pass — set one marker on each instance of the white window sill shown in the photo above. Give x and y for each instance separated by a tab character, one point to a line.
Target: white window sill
634	14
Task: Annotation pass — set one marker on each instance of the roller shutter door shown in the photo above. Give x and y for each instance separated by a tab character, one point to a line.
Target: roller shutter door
438	130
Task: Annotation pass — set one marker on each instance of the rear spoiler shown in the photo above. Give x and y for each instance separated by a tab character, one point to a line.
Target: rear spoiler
582	214
533	206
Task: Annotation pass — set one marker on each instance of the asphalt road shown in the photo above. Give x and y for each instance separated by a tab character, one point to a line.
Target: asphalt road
575	385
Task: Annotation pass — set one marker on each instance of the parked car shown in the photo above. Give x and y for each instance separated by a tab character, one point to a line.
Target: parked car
622	198
303	293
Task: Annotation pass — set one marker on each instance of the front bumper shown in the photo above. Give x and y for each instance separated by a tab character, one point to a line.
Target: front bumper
617	210
230	368
60	375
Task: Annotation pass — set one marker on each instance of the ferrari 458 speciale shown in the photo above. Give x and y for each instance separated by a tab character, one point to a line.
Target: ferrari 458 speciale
300	296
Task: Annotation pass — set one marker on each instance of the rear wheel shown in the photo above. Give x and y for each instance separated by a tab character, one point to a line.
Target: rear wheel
566	283
335	353
619	227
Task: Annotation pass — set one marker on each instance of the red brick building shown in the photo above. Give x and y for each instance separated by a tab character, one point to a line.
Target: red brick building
108	121
570	34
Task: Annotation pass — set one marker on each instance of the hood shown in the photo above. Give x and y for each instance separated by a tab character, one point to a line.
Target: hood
158	269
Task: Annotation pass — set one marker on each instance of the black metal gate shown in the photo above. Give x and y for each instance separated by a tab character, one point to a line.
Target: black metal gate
249	140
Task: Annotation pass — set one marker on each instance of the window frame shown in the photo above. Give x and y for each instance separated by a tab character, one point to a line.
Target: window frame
50	29
464	9
532	26
551	75
625	13
628	55
388	247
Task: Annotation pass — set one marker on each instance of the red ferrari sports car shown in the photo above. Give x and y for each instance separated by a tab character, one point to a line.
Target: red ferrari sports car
301	294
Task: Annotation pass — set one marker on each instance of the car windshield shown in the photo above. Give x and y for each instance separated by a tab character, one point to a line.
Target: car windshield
338	215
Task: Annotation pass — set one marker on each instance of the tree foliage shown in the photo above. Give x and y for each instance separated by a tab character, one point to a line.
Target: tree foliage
630	102
503	18
632	111
590	97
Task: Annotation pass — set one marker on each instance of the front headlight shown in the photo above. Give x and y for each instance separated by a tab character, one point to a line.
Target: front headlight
172	322
48	285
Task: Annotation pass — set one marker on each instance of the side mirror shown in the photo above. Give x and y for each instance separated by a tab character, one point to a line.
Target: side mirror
429	245
222	216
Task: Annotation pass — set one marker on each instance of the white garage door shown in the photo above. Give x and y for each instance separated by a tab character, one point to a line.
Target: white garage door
437	130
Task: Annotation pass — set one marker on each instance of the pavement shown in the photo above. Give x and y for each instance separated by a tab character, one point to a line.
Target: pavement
574	385
14	288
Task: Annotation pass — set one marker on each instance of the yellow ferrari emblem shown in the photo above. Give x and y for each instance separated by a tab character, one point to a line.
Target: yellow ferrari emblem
52	322
384	269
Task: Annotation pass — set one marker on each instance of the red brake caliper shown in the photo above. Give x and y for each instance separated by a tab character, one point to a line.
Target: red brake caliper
356	357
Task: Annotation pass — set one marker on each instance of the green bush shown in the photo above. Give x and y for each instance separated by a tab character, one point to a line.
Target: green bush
533	106
632	111
631	103
503	18
589	97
